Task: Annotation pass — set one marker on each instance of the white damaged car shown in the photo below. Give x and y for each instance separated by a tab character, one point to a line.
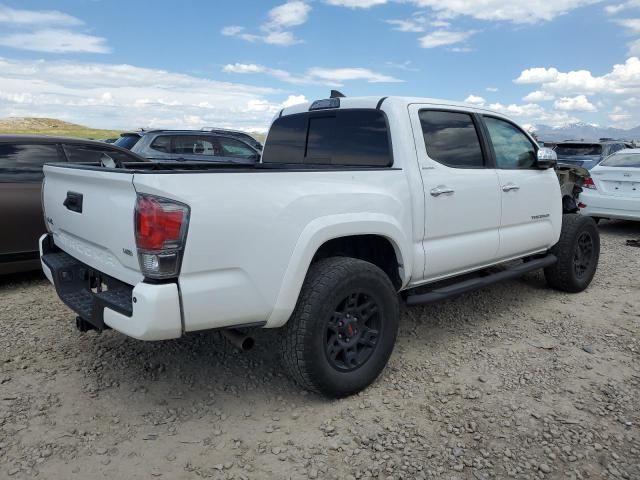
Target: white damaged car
613	190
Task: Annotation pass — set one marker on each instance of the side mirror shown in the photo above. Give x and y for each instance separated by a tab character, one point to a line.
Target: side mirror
547	158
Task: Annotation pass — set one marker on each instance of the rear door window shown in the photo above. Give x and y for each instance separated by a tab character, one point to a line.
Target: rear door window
451	138
161	144
22	163
194	145
350	137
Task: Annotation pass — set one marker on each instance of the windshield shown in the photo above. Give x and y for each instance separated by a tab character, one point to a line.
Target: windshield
623	160
578	149
127	141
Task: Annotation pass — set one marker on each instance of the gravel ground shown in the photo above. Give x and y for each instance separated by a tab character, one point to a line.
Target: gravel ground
515	381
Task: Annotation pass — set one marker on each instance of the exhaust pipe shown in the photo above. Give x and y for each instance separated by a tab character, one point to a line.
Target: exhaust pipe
238	339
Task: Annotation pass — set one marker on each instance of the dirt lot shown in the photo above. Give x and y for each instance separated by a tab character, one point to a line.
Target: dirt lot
515	381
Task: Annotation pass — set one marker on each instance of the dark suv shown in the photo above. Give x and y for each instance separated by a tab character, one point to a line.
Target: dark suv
587	154
21	161
213	145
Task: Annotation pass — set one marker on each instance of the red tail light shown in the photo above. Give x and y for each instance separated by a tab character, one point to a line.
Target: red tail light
161	230
588	183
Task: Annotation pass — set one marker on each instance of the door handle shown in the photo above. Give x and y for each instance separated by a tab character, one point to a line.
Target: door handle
509	187
436	192
73	202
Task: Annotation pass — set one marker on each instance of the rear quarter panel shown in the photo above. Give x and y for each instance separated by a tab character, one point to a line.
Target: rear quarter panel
252	235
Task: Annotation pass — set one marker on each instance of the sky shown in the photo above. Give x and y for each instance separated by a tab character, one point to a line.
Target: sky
235	63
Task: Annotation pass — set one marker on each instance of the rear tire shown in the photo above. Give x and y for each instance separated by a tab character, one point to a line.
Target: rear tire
578	251
343	329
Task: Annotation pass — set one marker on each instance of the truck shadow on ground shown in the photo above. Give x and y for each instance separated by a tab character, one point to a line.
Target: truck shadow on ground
205	368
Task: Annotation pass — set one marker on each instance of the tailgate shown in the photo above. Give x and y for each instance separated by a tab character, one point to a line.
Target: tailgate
91	215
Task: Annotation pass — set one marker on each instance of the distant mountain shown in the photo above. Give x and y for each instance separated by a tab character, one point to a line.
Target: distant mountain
52	126
586	131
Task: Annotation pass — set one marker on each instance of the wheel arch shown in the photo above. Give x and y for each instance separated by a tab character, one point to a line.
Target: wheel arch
329	235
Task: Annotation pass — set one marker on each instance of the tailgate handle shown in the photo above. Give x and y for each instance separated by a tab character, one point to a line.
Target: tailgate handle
73	202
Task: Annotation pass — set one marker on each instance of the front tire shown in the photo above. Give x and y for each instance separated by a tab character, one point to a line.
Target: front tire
578	251
343	329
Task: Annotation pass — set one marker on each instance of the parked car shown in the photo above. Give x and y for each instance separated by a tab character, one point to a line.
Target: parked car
130	139
587	154
354	201
613	191
21	161
190	145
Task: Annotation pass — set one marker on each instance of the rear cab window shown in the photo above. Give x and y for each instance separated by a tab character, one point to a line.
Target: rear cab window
22	163
347	137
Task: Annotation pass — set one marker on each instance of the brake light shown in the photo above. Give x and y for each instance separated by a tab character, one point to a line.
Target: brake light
161	230
588	183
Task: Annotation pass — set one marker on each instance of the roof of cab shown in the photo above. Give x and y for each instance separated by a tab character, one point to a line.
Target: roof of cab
375	102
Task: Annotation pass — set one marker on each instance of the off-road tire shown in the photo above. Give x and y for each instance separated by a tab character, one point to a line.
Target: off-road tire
305	337
568	273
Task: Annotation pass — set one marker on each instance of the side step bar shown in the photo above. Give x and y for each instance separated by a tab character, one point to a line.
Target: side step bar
479	282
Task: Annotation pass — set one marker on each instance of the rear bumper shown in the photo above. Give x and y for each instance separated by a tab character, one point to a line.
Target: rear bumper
144	311
598	205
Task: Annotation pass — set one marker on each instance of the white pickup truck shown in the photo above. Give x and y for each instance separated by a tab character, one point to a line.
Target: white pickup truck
357	203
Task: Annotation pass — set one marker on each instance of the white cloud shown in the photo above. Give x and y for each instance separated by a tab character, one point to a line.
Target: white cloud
314	76
632	24
538	96
579	103
294	100
624	79
406	65
475	100
582	91
232	30
55	41
440	38
417	23
408	25
17	17
491	89
537	75
634	48
339	75
356	3
516	11
619	115
243	68
290	14
126	96
619	7
533	113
